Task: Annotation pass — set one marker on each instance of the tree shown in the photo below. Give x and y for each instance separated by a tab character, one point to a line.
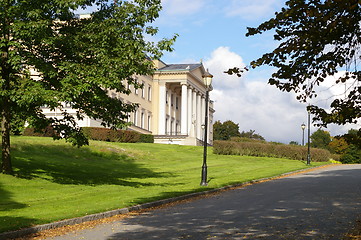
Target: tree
50	57
320	139
338	145
225	130
294	143
251	134
318	39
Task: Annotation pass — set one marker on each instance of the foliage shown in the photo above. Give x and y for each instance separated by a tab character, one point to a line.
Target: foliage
17	124
264	149
50	57
225	130
106	176
350	147
229	129
317	39
251	134
320	139
110	135
352	155
353	136
338	145
244	139
294	143
46	132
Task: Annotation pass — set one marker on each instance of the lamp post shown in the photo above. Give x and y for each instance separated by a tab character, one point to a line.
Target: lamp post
308	138
303	126
207	79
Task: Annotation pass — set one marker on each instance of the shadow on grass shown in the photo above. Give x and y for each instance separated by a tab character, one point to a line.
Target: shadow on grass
70	165
6	205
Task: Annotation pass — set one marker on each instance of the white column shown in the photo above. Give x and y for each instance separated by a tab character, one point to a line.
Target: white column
161	118
199	117
194	114
189	111
169	128
203	111
184	118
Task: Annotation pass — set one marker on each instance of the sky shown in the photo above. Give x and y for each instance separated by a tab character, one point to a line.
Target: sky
213	31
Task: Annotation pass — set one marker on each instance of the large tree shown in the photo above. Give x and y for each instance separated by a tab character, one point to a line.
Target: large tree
317	39
49	57
225	130
320	139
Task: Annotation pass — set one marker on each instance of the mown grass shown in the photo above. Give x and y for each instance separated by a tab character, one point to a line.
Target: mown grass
55	181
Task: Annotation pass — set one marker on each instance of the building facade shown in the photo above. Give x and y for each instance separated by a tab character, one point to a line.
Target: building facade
171	105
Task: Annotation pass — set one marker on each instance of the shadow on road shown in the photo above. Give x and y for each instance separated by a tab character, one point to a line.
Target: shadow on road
313	205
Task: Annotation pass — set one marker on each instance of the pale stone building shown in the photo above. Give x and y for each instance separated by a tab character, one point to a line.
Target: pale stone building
171	105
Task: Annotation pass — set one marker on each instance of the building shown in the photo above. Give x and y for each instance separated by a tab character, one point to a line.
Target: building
171	105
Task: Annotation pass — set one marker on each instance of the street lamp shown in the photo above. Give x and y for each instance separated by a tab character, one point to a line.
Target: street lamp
308	137
203	126
207	79
303	126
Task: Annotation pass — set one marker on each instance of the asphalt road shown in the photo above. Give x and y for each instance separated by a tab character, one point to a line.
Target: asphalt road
321	204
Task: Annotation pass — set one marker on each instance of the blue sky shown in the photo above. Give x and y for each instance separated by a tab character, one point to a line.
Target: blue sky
214	31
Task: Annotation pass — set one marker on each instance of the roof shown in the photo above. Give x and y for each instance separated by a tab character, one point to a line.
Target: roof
180	67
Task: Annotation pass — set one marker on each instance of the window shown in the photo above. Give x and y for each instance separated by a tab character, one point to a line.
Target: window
176	102
166	126
135	118
171	100
142	120
149	122
143	92
149	93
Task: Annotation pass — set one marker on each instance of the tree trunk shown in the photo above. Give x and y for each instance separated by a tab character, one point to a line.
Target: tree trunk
6	166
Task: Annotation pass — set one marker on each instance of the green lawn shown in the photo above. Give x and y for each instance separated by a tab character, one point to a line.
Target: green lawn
56	181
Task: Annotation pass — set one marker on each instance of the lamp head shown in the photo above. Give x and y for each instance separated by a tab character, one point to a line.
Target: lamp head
207	78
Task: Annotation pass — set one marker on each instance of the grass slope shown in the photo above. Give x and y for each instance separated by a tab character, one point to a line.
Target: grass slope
55	181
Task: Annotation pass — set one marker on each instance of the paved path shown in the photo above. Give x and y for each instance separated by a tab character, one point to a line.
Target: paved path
322	204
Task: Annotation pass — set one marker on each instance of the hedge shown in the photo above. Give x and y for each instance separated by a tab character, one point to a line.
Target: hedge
109	135
265	149
100	134
47	132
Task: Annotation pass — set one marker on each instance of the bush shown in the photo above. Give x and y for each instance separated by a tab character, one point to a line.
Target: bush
264	149
109	135
146	138
99	134
352	155
47	132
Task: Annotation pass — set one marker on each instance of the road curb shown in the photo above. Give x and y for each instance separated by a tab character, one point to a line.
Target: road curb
73	221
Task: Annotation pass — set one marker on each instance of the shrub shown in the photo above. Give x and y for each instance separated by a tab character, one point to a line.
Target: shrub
146	138
352	155
264	149
109	135
47	132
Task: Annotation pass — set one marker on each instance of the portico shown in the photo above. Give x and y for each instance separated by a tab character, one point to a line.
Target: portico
181	104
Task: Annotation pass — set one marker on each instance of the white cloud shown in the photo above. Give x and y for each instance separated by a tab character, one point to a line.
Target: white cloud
221	60
253	9
254	104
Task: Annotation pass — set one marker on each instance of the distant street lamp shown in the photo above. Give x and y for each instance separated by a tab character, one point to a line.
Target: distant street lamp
203	126
308	138
207	79
303	126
